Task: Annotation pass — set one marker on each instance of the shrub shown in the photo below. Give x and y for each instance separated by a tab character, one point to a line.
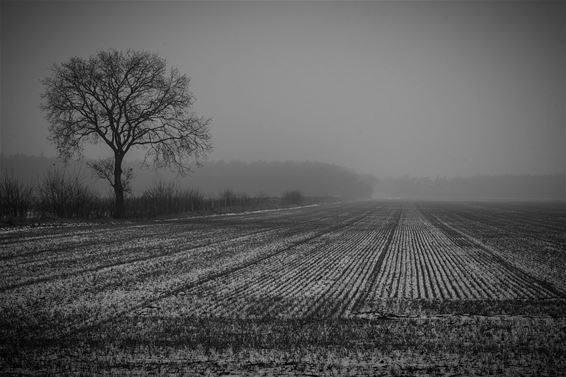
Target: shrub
164	198
293	197
229	198
157	200
16	198
190	200
65	196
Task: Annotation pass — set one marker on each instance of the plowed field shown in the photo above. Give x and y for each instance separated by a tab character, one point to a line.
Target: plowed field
378	288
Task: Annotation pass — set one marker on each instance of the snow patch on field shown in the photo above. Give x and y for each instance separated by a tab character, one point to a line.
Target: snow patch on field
241	213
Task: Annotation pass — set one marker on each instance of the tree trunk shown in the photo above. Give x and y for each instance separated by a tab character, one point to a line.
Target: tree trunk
119	211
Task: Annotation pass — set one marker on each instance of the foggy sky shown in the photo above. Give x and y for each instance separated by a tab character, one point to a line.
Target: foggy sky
389	88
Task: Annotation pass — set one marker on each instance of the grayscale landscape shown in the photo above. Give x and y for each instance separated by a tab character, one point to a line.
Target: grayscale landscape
283	188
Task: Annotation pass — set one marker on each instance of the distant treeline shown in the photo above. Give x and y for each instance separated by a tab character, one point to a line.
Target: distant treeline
257	179
481	187
60	194
39	187
274	179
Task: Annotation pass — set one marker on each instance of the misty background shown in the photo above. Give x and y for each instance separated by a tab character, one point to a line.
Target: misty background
434	99
313	179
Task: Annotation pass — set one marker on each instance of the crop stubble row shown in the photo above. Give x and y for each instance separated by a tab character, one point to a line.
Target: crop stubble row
426	263
322	277
86	298
334	261
350	270
530	238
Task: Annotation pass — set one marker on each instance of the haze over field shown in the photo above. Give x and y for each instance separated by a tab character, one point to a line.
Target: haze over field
385	88
386	195
259	179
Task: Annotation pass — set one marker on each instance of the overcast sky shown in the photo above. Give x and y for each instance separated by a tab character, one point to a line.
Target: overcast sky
389	88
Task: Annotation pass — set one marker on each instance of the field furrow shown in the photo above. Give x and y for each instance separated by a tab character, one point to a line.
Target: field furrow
295	276
502	262
351	276
339	261
530	238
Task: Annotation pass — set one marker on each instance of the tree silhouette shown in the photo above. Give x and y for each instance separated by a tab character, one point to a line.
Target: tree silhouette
127	100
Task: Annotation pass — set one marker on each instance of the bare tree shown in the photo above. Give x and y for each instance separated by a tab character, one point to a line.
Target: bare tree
127	100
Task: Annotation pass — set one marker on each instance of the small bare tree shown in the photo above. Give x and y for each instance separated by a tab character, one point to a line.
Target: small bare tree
104	169
127	100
